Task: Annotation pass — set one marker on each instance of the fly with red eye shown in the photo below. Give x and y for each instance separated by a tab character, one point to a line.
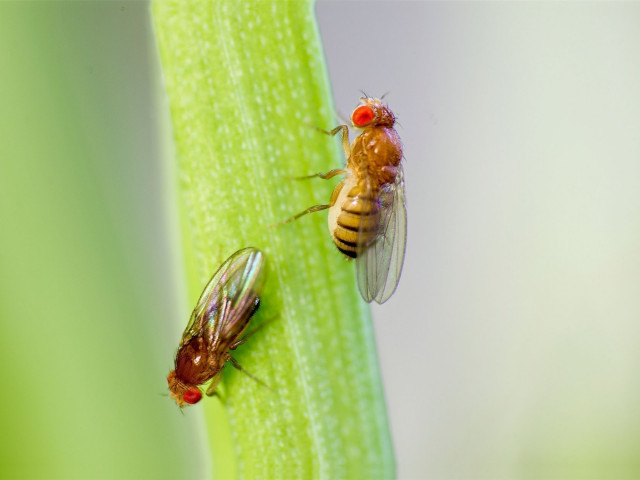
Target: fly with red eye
367	215
217	325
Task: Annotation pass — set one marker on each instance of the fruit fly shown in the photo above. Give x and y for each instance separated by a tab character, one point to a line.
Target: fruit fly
367	214
216	326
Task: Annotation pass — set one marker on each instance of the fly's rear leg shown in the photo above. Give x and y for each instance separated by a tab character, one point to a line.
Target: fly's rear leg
246	336
237	366
315	208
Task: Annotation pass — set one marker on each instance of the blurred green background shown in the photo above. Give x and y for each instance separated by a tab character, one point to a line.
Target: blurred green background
90	286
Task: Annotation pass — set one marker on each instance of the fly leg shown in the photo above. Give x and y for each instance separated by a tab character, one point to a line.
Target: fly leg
326	176
250	333
237	366
345	137
211	389
315	208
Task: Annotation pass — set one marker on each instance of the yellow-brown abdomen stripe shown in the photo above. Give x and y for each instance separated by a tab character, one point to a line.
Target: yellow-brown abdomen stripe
356	224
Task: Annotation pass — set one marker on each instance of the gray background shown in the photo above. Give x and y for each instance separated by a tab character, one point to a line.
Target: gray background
511	347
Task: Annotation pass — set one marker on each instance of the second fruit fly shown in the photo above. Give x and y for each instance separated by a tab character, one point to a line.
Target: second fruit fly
367	214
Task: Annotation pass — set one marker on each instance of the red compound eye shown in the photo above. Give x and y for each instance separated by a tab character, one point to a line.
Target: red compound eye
362	115
192	396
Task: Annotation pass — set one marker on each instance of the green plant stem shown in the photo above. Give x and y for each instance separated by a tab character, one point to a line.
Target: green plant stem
246	81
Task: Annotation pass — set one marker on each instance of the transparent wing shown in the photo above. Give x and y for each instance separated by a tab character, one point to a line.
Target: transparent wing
379	261
229	299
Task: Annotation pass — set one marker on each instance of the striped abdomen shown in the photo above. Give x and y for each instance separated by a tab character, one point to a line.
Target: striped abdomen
353	217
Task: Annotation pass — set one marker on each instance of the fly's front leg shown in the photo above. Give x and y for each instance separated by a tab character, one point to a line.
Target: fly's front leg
211	389
325	176
345	137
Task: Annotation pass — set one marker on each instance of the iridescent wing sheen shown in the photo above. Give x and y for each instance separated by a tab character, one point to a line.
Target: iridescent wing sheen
229	300
379	263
